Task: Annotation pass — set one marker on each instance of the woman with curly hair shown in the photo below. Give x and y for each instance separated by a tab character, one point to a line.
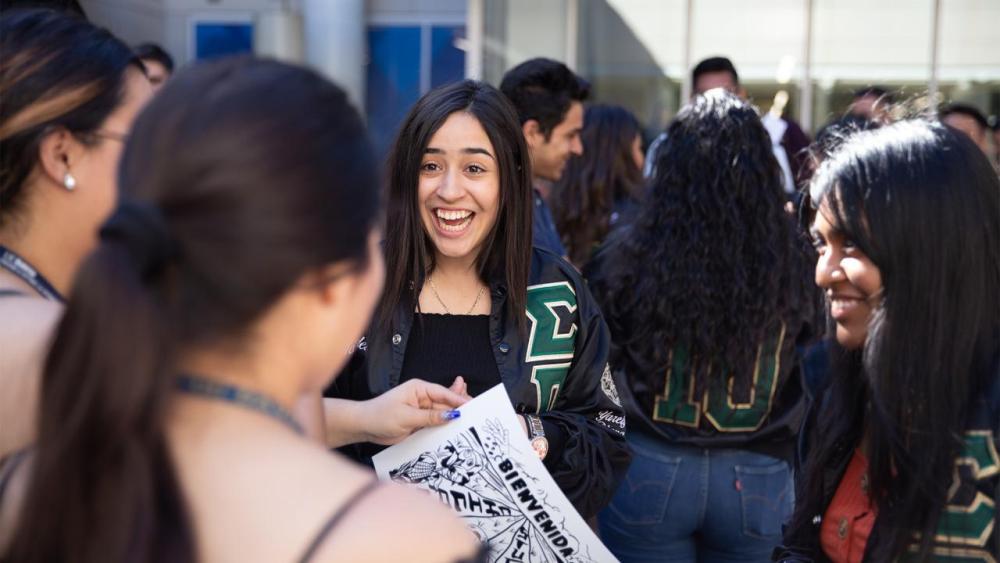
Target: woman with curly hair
901	447
601	186
707	295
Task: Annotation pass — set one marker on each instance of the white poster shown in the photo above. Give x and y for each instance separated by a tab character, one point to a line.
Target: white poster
483	466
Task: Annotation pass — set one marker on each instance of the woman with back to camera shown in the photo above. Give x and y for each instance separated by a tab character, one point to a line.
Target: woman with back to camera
707	294
901	459
68	95
212	303
61	135
601	187
466	295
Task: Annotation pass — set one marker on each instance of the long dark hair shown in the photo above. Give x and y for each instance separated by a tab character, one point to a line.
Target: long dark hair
58	70
506	251
607	174
712	262
923	203
240	193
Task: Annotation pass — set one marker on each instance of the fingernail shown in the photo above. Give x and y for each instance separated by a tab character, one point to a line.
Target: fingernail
451	415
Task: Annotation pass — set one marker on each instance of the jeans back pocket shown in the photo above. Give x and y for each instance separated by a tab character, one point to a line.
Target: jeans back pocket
767	496
643	495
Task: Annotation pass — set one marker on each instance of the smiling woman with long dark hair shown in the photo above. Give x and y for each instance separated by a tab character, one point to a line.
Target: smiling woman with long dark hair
707	293
902	445
468	302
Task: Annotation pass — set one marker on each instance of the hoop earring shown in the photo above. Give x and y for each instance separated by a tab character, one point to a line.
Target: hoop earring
69	182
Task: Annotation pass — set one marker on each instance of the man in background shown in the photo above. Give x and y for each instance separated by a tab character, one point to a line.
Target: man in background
549	99
789	142
159	64
871	103
969	120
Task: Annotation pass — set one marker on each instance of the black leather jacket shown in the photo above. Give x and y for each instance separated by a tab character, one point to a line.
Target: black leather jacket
558	370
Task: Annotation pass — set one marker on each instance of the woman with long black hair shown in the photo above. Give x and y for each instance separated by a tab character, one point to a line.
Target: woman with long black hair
902	445
231	282
603	185
707	294
468	297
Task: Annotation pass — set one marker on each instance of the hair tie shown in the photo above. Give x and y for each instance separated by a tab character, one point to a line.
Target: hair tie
142	229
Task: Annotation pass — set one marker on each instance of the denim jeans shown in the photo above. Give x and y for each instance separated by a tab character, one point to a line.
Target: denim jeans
685	503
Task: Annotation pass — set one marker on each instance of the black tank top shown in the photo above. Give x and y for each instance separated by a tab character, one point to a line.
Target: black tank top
442	347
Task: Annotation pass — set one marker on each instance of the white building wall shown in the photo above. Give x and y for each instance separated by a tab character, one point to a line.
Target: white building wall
135	22
853	40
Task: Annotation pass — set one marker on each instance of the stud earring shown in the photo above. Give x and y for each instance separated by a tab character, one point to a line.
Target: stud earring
69	182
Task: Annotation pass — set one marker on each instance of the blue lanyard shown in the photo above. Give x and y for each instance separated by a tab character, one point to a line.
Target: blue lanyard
20	267
207	388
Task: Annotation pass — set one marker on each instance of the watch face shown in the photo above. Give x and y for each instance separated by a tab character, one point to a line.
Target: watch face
541	446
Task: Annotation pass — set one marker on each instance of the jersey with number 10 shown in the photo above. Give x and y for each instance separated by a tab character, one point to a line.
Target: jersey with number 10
760	414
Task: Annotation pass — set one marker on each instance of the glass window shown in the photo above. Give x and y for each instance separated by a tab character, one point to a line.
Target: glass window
630	51
447	59
518	30
639	53
393	79
216	39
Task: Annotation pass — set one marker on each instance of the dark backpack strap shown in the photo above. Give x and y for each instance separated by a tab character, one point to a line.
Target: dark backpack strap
335	519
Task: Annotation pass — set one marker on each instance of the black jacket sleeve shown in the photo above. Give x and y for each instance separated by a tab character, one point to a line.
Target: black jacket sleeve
352	384
588	419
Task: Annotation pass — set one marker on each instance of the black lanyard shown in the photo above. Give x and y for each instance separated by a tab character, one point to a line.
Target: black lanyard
20	267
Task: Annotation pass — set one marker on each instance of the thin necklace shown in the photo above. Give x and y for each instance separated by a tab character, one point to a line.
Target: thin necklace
441	301
203	387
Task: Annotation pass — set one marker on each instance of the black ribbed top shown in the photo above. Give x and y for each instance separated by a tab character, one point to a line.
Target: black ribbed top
442	347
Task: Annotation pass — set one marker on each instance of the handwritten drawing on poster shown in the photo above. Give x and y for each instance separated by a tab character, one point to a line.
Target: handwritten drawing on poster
483	466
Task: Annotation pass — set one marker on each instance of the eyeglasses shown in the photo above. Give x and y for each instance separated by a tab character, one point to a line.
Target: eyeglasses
113	135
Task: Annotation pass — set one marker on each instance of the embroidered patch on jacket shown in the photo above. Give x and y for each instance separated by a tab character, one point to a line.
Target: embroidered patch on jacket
608	386
551	310
361	345
612	421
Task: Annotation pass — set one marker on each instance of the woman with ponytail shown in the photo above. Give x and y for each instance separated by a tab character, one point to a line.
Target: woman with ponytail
246	247
68	95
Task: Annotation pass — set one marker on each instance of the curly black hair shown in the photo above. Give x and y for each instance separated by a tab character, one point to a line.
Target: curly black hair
712	261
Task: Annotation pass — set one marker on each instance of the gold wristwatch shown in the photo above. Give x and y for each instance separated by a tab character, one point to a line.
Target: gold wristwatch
537	433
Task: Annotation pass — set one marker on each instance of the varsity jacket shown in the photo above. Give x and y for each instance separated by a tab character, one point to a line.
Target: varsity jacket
558	370
764	417
761	413
968	528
